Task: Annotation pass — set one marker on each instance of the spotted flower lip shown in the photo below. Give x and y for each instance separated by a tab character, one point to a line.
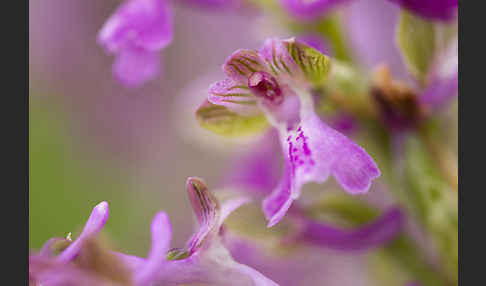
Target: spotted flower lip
277	80
203	260
135	33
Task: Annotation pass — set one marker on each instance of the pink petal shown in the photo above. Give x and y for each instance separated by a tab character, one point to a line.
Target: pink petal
161	236
313	151
135	66
146	24
93	226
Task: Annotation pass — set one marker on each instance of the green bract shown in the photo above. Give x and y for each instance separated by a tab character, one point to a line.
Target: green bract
434	201
416	39
220	120
177	254
313	64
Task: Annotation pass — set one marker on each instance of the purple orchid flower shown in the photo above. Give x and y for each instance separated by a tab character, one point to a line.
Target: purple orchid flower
430	9
136	33
277	81
203	260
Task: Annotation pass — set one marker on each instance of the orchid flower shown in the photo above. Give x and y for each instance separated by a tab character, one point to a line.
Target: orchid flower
204	260
135	33
277	82
442	10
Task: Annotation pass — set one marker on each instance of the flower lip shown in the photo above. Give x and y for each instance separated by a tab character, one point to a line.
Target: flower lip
265	86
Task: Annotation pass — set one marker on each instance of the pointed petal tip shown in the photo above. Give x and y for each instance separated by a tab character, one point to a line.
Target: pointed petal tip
99	216
102	207
274	217
273	221
161	219
161	237
195	184
203	202
161	233
96	222
194	179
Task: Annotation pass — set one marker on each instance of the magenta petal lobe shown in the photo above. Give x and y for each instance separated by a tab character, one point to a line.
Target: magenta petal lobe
370	235
275	206
161	236
93	226
144	23
135	66
136	32
442	10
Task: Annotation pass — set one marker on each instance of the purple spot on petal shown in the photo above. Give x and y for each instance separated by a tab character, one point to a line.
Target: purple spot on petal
307	151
